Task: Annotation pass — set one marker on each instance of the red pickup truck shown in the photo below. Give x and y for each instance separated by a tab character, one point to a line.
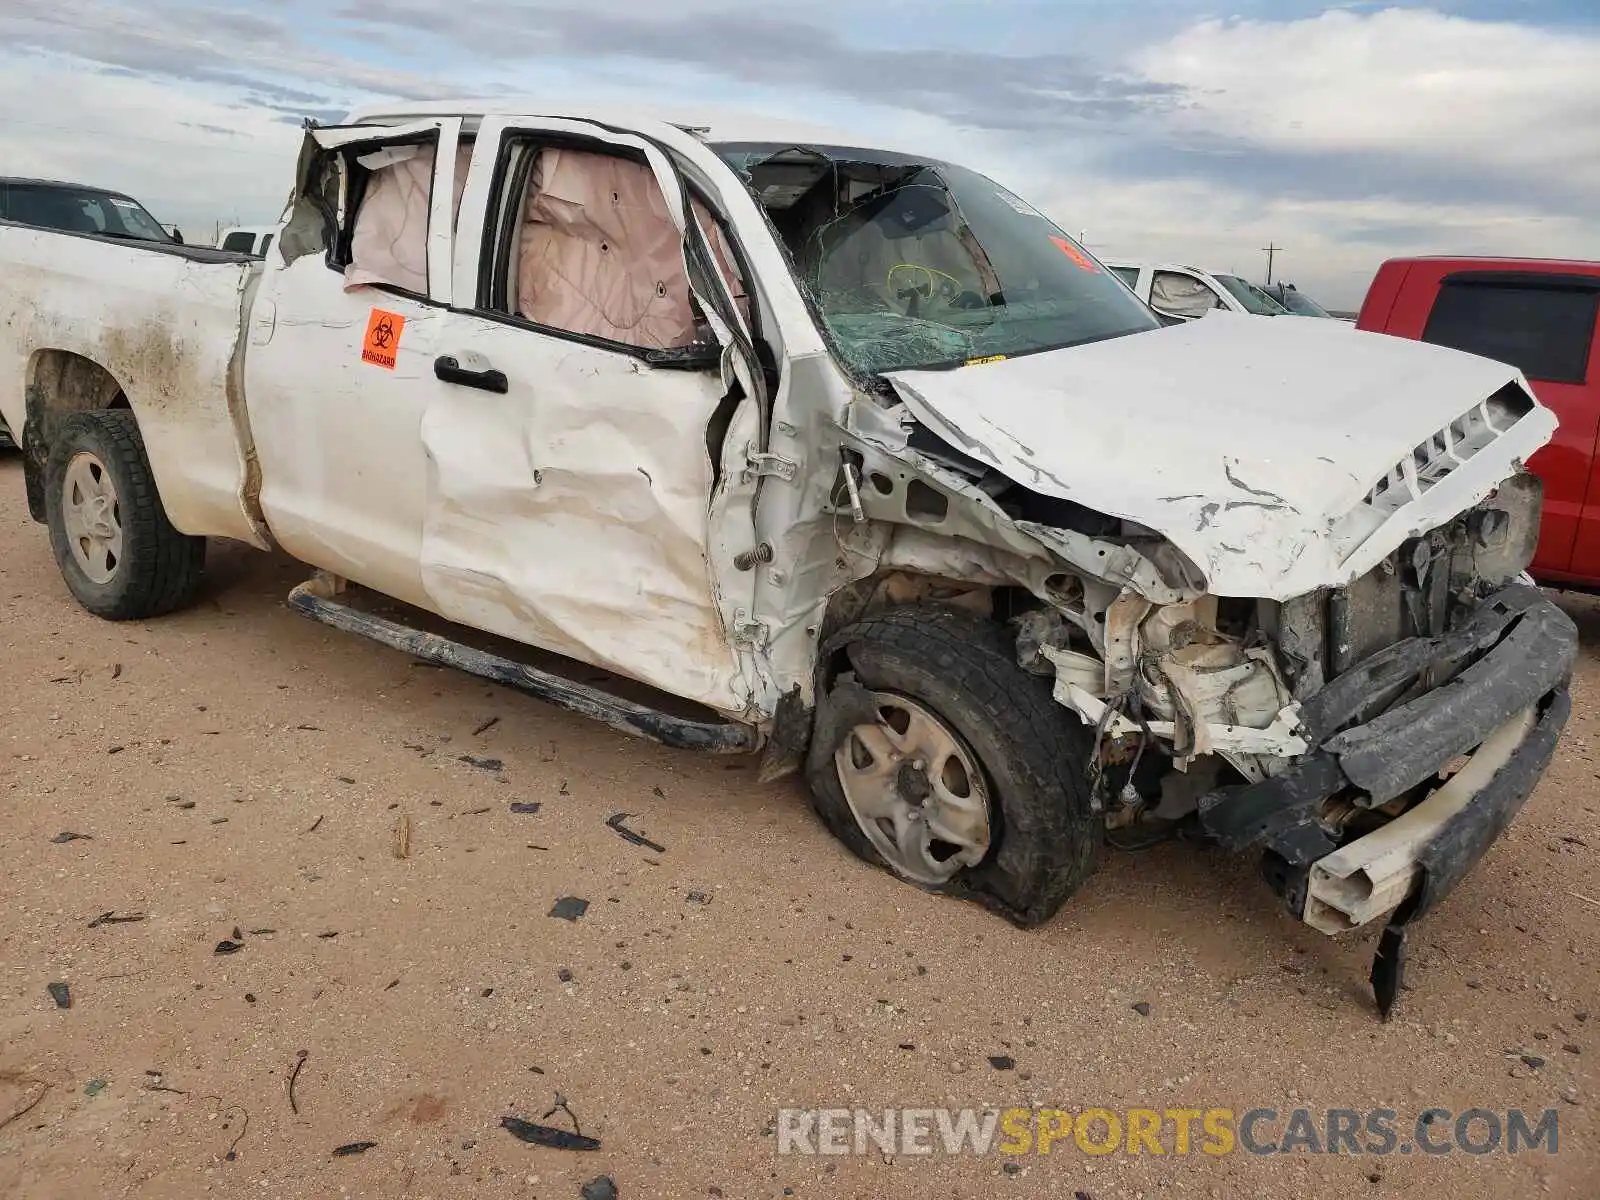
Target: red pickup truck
1537	315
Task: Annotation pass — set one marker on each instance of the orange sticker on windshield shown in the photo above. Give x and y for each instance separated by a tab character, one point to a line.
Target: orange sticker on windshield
382	343
1076	255
988	358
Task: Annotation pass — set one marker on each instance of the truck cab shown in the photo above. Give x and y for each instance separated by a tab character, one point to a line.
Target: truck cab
1189	293
1537	315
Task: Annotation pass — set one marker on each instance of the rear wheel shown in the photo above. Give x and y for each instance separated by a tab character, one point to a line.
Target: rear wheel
120	556
938	757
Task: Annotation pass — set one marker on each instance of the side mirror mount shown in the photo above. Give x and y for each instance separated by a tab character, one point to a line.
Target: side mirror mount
697	356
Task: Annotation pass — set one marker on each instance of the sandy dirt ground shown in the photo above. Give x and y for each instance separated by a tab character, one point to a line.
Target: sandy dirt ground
238	768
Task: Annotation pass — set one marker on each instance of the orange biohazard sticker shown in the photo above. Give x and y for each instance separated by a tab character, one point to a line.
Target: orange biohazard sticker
1076	255
382	343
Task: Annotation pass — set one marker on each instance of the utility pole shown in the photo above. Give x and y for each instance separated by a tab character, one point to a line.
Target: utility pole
1270	250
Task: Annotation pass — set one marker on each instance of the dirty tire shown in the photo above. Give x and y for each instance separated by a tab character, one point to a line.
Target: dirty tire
159	570
1045	838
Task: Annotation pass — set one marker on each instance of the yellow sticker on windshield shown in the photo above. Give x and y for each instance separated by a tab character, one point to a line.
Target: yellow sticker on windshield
978	362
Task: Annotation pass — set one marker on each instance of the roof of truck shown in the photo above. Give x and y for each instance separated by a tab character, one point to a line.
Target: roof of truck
712	124
23	181
1578	266
1128	264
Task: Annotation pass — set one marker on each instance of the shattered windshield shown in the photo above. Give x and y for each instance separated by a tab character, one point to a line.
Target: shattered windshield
917	264
1252	297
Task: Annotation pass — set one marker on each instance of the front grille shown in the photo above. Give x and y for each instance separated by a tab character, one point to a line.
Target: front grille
1419	590
1366	616
1434	459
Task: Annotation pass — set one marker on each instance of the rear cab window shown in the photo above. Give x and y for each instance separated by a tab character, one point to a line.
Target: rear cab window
392	190
583	247
367	200
1182	295
1543	328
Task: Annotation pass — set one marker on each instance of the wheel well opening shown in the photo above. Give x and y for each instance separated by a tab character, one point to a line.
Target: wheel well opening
896	588
59	382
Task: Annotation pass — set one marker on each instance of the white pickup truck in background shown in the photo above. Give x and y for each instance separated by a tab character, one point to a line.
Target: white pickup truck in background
248	239
1189	293
841	455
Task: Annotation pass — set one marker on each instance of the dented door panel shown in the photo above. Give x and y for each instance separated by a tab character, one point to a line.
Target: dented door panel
337	384
581	510
570	513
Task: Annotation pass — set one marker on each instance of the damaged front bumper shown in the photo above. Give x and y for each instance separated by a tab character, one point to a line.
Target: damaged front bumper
1475	712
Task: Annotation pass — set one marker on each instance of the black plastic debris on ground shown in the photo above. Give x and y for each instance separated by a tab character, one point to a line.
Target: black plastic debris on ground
531	806
615	821
483	764
111	918
349	1148
60	993
1002	1062
66	835
547	1135
294	1077
569	908
599	1188
228	946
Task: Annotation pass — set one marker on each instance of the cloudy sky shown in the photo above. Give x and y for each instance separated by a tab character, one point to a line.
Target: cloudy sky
1342	131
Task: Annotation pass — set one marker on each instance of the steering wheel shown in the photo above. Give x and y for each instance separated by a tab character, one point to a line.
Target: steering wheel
915	286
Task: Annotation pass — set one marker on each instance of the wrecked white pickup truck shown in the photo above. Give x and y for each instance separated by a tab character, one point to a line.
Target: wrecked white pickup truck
843	456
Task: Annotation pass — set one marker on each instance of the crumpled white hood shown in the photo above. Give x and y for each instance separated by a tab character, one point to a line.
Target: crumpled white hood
1243	442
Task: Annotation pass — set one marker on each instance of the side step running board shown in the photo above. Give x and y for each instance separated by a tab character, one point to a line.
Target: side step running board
712	737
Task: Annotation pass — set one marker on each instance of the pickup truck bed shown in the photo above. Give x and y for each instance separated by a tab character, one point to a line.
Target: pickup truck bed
99	322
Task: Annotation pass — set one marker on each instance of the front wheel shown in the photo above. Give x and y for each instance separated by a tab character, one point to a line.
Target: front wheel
938	757
120	556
